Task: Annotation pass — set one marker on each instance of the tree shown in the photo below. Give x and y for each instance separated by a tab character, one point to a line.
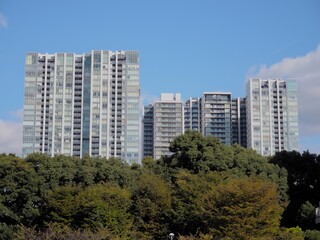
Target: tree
19	194
61	207
195	152
115	171
104	206
94	207
54	171
188	188
61	232
151	206
244	208
312	235
303	182
306	216
294	233
86	171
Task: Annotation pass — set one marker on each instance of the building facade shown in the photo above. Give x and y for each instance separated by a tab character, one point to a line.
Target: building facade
272	115
239	121
216	116
82	104
266	120
147	121
192	114
167	123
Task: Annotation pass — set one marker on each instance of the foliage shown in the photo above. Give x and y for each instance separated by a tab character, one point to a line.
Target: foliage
306	215
189	188
19	189
7	231
103	206
194	152
57	171
151	206
294	233
312	235
304	185
94	207
205	190
61	207
62	232
242	208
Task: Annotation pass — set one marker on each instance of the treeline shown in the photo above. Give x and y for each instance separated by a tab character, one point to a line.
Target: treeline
205	190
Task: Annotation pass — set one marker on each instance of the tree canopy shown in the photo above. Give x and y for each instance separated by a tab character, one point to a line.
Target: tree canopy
204	190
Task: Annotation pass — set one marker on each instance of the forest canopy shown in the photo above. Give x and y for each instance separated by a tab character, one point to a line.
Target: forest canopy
204	190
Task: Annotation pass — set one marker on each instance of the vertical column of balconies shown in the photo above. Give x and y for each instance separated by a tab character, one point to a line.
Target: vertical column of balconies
148	116
95	103
217	116
105	105
116	104
77	106
168	124
48	100
32	111
130	136
58	106
86	104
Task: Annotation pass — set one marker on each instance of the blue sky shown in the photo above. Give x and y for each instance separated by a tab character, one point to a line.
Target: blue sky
185	46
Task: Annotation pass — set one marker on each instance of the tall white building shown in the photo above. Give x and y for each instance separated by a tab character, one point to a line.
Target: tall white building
272	115
82	104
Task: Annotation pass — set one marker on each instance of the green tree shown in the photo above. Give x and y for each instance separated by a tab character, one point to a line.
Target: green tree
294	233
245	208
188	188
306	215
151	207
312	235
115	171
303	182
104	206
61	232
54	171
94	207
86	171
196	153
61	207
19	194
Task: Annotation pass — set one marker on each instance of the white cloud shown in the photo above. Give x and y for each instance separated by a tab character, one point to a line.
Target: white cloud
306	70
10	137
3	21
11	133
17	114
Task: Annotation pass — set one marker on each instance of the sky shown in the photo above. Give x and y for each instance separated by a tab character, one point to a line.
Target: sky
187	47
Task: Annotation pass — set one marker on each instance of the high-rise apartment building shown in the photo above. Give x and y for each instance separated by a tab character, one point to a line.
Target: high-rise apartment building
192	114
239	121
82	104
148	131
168	122
272	115
216	116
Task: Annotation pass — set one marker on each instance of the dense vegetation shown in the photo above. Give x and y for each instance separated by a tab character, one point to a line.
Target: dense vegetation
205	190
